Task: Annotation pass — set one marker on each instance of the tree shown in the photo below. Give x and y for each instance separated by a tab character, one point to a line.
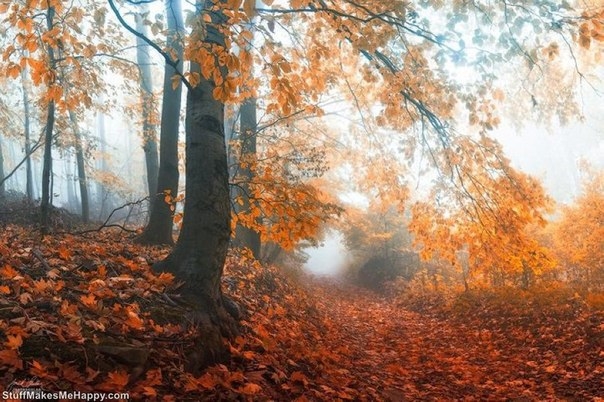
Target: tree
82	181
245	159
159	227
147	98
2	188
56	45
200	252
380	242
281	200
578	236
29	185
247	136
46	202
486	211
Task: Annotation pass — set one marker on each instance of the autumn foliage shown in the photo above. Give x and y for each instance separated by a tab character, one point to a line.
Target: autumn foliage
578	234
488	289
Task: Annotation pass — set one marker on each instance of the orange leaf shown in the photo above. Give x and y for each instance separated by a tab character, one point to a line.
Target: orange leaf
8	272
64	253
89	300
175	81
249	7
119	379
207	381
14	341
10	357
134	321
250	389
149	391
298	376
39	370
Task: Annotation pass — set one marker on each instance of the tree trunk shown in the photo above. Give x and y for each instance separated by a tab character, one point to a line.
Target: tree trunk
244	236
159	228
71	192
143	60
199	255
83	183
101	191
27	130
46	201
2	188
248	127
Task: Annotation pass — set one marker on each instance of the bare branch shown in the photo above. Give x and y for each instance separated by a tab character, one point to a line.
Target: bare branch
33	149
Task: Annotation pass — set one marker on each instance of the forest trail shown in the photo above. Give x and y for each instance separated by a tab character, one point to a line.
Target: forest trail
400	355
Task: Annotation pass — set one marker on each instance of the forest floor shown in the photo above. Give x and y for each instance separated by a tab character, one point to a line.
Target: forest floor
86	314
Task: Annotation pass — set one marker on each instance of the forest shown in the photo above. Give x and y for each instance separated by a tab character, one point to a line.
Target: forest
301	200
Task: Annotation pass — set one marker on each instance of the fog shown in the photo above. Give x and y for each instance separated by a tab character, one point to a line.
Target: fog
330	259
555	156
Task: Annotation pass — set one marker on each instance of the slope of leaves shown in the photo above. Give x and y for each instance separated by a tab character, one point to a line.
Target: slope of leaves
88	314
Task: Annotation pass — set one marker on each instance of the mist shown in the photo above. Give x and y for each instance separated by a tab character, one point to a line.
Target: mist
330	258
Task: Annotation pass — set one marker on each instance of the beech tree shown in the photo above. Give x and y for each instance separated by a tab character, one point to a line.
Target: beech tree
159	227
247	235
200	252
147	99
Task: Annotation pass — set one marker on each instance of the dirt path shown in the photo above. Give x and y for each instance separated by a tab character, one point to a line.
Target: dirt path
401	355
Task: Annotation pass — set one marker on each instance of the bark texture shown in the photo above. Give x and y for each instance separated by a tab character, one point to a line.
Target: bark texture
199	255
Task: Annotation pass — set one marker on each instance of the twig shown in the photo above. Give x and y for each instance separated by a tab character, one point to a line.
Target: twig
33	149
113	225
167	58
36	253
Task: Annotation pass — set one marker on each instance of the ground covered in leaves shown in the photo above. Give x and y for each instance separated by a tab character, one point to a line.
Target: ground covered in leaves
87	314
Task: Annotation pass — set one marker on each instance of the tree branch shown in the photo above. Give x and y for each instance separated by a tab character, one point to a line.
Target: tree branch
165	55
33	149
106	223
